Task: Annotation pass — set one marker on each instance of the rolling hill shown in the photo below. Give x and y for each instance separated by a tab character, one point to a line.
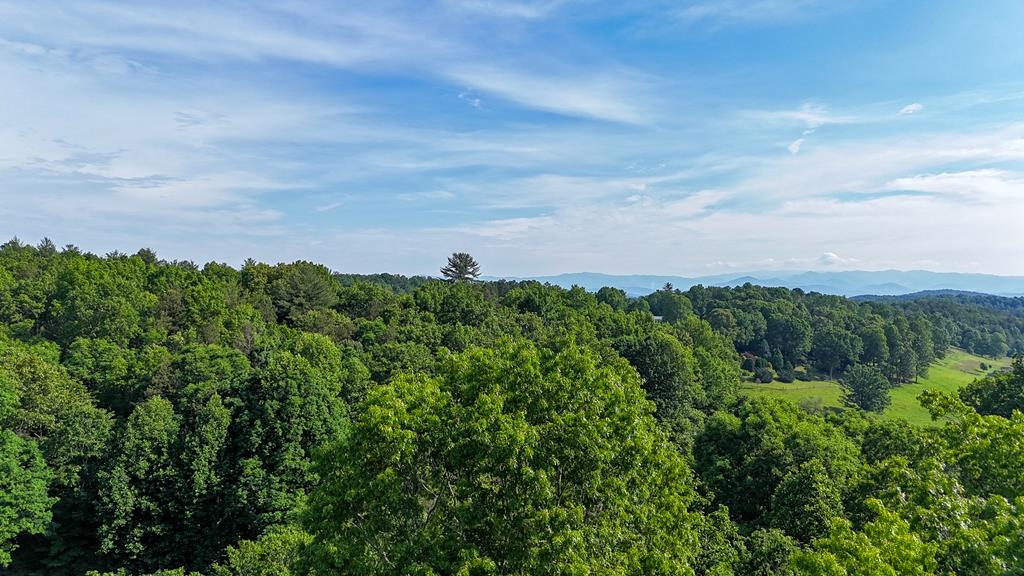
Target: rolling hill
843	283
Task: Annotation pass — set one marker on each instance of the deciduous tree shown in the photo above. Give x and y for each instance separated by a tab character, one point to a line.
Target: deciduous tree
866	388
513	461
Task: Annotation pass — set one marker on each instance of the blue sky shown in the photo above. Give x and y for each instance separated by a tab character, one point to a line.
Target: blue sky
543	136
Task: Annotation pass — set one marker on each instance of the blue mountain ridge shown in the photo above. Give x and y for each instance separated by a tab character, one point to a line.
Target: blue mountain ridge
843	283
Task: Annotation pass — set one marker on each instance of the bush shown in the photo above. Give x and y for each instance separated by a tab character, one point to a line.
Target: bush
813	405
984	366
764	375
787	375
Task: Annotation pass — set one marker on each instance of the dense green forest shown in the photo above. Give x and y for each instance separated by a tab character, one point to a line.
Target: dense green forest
162	418
992	325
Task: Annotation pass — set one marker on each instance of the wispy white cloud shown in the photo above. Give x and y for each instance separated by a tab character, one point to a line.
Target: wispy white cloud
78	149
510	8
334	35
202	126
510	229
831	259
984	185
912	108
310	31
427	196
617	98
328	207
811	115
591	229
553	191
864	166
472	100
750	11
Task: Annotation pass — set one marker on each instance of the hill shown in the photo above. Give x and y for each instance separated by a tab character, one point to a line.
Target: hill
843	283
990	301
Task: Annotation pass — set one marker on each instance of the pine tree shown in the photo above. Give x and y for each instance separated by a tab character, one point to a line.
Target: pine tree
461	268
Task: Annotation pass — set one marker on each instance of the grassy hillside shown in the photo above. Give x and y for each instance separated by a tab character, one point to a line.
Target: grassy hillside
950	374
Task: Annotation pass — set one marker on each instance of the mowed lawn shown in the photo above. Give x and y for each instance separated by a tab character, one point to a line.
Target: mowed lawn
953	372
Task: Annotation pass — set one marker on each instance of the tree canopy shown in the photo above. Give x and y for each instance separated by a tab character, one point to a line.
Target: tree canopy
510	461
166	418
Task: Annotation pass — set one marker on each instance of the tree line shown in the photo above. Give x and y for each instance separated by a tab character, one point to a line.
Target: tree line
164	418
990	325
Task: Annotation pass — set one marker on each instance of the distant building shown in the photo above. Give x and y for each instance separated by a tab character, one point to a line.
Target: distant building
659	318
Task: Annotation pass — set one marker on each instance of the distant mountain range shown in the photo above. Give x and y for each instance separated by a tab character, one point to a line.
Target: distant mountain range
846	283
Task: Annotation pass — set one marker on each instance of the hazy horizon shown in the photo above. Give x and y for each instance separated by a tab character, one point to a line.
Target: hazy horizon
725	274
679	138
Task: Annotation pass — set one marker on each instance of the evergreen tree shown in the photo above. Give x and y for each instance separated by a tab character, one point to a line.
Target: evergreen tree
461	267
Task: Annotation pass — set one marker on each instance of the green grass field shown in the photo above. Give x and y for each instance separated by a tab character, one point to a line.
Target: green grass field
953	372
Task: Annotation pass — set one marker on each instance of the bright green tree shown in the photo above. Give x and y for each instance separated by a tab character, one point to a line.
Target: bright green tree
138	524
743	457
289	408
875	347
985	452
835	348
886	547
789	330
513	461
667	368
768	553
806	503
865	387
999	394
276	553
24	479
670	305
99	299
717	363
613	297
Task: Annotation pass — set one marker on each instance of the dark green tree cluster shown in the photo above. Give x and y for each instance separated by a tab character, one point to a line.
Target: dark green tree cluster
158	415
167	419
1000	394
982	324
789	329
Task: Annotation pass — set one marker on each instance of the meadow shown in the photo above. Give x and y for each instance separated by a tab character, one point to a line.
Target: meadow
949	374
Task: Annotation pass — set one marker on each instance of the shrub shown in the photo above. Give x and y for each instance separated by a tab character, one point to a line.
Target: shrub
813	405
